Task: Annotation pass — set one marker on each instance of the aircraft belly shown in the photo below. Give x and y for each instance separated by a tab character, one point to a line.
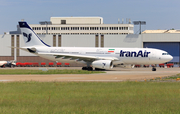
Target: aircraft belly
135	60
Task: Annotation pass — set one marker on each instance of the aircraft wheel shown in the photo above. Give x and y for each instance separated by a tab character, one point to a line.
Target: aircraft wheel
84	68
96	69
153	69
90	68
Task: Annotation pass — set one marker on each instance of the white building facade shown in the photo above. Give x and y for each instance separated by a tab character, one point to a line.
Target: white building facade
80	25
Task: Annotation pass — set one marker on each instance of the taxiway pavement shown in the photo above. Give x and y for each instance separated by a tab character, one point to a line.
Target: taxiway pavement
114	75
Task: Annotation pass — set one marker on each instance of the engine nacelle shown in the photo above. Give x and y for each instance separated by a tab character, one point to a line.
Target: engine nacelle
102	64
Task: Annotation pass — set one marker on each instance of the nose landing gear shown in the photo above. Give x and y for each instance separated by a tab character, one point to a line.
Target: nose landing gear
153	69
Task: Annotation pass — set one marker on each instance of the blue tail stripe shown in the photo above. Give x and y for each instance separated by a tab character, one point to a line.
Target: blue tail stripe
25	25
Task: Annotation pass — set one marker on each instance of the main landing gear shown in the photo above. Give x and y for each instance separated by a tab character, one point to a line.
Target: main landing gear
153	69
91	69
87	68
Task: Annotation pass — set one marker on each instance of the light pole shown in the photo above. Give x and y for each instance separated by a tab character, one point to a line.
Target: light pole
45	23
139	23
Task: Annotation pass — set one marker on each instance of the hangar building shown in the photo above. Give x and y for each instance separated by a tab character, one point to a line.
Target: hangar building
88	32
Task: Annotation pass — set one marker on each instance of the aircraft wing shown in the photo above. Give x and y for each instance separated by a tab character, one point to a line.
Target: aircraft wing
79	57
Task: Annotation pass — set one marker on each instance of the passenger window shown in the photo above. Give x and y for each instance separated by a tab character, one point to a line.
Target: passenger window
165	53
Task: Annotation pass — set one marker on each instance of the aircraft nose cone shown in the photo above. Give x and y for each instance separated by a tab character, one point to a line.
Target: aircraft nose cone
170	57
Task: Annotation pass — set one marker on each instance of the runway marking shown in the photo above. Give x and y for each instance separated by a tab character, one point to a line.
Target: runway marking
5	80
70	78
116	75
130	72
98	80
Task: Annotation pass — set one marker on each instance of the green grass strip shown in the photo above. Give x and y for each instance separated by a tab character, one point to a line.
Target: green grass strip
90	97
27	71
173	77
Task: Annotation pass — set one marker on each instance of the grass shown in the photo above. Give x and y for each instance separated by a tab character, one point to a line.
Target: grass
26	71
90	97
173	77
167	79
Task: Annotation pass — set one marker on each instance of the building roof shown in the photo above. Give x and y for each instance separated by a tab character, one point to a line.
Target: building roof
76	20
161	31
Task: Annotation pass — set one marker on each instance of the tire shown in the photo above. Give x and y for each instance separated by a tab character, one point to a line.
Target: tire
153	69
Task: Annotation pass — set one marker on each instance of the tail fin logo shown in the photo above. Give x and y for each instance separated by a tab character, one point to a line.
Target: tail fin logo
28	36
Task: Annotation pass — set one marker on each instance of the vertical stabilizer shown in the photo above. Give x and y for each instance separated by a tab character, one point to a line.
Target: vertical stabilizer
29	36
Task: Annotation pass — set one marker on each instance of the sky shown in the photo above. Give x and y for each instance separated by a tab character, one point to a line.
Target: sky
158	14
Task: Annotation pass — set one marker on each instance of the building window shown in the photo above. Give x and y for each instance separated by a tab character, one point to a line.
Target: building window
52	28
116	28
63	21
113	28
94	28
64	28
103	28
43	28
84	28
74	28
57	28
75	33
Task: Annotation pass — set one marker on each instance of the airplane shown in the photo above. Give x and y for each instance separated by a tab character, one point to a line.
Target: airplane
4	64
98	58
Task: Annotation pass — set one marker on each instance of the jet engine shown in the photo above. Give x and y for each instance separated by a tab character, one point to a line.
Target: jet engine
103	64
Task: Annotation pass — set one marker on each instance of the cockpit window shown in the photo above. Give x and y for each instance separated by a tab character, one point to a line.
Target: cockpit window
165	53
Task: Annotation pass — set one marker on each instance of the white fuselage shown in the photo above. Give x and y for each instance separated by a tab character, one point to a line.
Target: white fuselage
124	55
